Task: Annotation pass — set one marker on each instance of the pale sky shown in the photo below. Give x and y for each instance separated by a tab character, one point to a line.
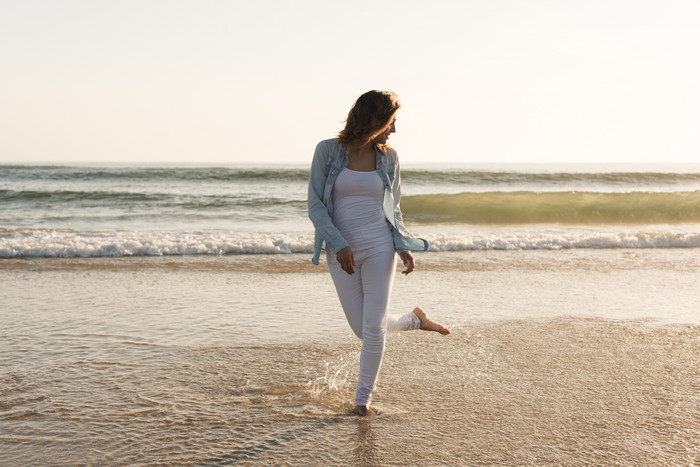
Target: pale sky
505	81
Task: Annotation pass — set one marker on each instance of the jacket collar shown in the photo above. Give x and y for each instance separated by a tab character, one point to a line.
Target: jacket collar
380	156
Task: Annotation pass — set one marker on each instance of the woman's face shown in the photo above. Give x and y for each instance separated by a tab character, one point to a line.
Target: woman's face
382	138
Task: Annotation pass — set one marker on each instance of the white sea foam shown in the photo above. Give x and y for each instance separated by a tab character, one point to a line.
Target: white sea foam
70	244
567	239
67	244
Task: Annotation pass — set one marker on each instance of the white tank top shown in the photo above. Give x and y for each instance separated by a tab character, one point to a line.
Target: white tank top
357	210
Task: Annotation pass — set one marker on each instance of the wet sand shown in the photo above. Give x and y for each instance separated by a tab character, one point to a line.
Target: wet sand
555	358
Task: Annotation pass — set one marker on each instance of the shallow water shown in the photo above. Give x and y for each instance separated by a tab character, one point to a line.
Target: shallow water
555	358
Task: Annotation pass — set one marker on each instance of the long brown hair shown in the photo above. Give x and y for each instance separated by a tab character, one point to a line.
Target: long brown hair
370	116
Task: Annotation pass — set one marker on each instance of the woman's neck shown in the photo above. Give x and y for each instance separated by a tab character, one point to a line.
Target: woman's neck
362	159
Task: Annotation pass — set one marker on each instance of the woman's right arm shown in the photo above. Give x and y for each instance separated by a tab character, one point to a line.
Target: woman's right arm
318	211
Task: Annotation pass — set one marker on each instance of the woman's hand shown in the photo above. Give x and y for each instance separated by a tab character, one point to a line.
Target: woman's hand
346	260
407	259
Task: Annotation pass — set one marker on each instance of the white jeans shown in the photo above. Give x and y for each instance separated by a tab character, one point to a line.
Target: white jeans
364	296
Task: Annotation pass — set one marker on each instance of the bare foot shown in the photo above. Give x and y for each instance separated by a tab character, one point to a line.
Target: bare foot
427	324
364	411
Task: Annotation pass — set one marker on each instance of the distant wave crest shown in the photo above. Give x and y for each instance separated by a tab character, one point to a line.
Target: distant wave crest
467	177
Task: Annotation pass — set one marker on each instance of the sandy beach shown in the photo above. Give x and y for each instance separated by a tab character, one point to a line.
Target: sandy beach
556	358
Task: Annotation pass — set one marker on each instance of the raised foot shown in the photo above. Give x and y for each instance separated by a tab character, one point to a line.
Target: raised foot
364	411
427	324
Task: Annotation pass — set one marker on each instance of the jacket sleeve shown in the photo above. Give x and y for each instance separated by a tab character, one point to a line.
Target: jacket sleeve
398	216
403	240
318	211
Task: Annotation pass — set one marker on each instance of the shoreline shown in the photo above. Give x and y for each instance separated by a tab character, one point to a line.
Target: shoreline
603	259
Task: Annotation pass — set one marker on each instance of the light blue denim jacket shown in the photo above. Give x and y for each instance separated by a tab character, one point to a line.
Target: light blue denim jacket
329	159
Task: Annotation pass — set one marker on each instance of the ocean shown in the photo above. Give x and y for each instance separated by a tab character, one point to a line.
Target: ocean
167	315
88	211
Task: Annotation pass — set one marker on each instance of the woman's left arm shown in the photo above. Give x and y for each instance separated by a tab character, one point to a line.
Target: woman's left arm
405	255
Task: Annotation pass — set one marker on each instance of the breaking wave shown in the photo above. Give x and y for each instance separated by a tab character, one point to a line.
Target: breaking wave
69	244
572	208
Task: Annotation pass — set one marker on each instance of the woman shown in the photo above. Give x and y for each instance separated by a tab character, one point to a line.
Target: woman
354	195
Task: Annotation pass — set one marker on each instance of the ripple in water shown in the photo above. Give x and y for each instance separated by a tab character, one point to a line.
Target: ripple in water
560	391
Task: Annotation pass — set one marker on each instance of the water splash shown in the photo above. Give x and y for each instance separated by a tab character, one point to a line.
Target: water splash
336	377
